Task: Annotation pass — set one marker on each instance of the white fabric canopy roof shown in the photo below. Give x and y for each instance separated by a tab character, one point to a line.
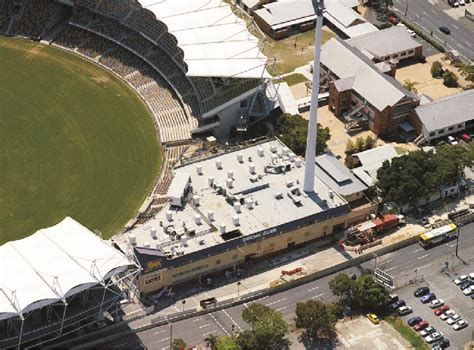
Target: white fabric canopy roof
230	50
53	264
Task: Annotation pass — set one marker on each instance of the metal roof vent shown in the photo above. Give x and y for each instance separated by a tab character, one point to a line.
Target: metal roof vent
230	174
252	168
196	200
237	207
169	215
210	215
199	169
219	164
273	148
222	228
153	232
260	152
197	219
240	157
132	239
236	220
230	183
210	181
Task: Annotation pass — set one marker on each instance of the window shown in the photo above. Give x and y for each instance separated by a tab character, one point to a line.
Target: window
451	128
440	131
432	134
403	53
459	126
411	52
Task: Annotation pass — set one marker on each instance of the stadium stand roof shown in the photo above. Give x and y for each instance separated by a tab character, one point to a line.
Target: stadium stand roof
53	264
216	43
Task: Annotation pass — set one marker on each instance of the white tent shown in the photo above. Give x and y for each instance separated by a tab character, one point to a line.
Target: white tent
53	264
216	43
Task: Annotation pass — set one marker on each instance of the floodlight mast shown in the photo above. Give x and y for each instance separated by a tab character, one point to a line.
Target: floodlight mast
313	111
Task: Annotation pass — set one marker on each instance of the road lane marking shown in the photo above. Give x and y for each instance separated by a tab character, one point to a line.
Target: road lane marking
390	269
417	250
317	296
177	308
197	319
276	301
424	266
218	323
311	289
214	331
164	339
204	326
423	256
280	308
160	332
227	314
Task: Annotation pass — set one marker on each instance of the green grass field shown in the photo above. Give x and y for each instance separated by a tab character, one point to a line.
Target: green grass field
75	141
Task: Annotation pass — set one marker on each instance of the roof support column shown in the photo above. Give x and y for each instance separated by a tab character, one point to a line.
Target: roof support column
64	316
21	332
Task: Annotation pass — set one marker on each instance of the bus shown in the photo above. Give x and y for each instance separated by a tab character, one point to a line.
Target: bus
437	235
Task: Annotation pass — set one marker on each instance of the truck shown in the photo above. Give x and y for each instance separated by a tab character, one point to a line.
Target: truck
366	231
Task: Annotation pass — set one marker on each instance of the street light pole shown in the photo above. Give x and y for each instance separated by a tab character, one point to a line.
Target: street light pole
457	242
238	289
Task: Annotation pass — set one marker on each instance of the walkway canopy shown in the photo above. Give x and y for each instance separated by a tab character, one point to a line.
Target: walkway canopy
52	265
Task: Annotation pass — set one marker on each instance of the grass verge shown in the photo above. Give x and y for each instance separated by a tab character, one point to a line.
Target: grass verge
406	332
294	79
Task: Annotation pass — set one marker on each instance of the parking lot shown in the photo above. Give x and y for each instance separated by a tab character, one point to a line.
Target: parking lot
444	288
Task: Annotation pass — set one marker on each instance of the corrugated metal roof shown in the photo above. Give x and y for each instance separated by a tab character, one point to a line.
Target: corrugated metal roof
447	111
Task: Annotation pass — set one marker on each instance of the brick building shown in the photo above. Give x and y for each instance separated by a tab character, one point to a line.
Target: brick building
358	87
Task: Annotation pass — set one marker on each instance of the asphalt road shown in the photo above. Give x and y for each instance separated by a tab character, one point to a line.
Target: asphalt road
431	17
401	264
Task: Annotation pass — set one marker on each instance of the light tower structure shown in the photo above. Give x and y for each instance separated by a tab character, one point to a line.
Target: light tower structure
313	111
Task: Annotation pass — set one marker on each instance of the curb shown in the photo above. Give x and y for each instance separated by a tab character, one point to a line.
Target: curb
163	320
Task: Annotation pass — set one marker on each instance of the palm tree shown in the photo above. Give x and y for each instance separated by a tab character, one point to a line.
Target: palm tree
211	341
410	86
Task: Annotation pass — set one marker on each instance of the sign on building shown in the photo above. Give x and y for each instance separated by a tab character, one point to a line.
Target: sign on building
384	279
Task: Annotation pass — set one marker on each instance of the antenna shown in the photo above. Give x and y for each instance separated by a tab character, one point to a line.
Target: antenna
313	111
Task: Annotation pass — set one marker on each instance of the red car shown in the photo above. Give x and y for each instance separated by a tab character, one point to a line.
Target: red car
393	19
465	137
441	310
419	326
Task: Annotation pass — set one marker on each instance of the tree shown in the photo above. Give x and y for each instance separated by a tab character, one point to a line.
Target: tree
368	293
227	343
467	70
316	319
342	286
410	86
369	142
436	69
450	79
179	344
360	144
267	331
293	130
350	147
211	341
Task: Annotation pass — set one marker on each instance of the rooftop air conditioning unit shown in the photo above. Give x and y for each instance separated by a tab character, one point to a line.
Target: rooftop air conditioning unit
199	169
196	200
132	239
230	174
210	181
252	168
222	228
197	219
210	215
240	157
153	232
273	149
260	152
169	215
219	164
236	220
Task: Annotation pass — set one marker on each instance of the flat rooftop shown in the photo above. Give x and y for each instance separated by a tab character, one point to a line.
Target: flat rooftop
239	194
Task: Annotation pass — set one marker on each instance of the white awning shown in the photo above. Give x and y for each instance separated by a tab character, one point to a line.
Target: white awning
215	42
53	264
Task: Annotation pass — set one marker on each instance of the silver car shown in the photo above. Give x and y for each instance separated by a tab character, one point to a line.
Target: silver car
453	319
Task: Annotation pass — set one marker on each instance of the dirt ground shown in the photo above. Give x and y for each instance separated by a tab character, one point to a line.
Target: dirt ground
361	334
339	136
426	84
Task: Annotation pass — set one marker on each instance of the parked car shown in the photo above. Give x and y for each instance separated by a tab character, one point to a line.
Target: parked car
373	318
453	319
445	30
451	139
441	310
460	325
427	331
460	279
434	337
436	303
447	314
462	2
412	33
397	304
404	310
393	19
471	276
392	298
466	284
468	290
421	325
465	137
419	292
414	320
427	298
441	344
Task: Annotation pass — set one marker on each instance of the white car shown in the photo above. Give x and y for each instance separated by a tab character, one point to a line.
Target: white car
411	32
471	276
453	319
468	290
460	325
460	279
452	140
436	303
462	2
447	314
434	337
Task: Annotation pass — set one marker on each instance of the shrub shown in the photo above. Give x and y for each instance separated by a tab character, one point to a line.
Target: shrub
450	79
436	69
